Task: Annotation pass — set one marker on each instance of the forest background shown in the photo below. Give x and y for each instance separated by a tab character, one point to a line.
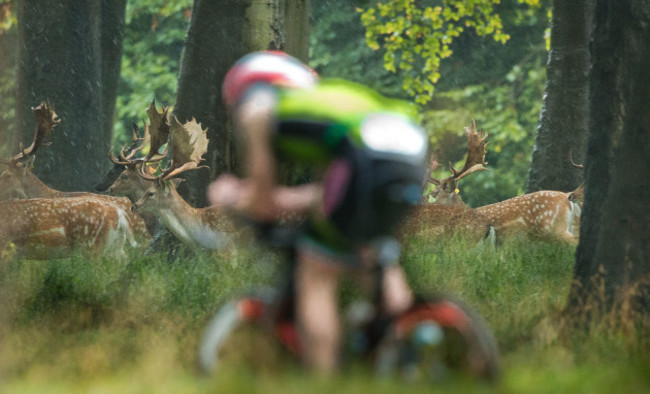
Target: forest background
500	84
55	313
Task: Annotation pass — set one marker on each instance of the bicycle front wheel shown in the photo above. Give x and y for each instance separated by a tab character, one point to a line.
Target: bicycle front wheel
437	338
237	337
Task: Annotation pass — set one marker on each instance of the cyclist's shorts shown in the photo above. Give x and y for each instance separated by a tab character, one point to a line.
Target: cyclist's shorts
364	200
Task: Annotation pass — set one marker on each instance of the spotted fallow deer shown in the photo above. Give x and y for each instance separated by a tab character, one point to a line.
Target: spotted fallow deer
209	227
46	228
449	215
446	190
543	214
123	178
578	195
17	181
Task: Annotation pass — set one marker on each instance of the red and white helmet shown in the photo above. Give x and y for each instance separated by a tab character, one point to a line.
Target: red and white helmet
270	67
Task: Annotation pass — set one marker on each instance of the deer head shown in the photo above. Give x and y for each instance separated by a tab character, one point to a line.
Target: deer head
123	178
446	190
188	145
578	195
16	178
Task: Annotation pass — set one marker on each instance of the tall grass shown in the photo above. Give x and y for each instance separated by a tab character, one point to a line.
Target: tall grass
76	326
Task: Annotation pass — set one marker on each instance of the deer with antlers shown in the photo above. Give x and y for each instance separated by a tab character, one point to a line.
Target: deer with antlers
545	214
446	190
123	178
449	215
17	181
198	227
578	195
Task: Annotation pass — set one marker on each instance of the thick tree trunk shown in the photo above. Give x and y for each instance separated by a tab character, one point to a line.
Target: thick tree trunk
112	34
219	34
615	238
60	61
563	121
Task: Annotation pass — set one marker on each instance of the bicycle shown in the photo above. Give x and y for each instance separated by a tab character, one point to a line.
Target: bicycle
438	336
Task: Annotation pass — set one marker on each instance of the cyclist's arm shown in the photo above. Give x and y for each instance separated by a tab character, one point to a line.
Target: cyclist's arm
254	122
236	194
258	196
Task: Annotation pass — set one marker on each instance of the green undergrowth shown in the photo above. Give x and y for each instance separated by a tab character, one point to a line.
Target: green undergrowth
133	326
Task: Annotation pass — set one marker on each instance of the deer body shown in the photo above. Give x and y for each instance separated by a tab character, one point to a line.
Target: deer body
47	228
25	185
435	220
18	181
547	214
543	213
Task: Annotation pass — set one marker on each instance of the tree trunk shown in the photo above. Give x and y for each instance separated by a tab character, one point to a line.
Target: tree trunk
112	34
615	238
60	61
219	34
563	121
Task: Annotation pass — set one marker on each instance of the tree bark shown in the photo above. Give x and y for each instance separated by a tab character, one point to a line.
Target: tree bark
112	35
219	34
615	235
563	121
60	61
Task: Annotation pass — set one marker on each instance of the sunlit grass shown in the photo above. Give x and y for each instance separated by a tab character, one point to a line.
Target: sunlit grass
106	326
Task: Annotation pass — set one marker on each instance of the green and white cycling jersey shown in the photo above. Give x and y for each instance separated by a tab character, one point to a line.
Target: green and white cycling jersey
314	124
372	151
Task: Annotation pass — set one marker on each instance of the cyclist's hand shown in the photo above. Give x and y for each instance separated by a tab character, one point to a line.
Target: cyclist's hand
226	191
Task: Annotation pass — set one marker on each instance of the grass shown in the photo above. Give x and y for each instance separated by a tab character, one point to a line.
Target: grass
77	326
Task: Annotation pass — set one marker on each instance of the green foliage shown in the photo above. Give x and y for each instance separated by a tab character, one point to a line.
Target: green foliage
338	48
9	50
154	35
416	37
7	15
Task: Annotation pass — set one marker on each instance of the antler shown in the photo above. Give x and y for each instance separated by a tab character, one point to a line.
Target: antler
155	138
46	120
578	166
159	129
133	149
447	189
189	144
475	152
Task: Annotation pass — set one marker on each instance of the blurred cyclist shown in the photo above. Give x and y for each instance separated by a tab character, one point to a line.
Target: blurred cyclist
368	157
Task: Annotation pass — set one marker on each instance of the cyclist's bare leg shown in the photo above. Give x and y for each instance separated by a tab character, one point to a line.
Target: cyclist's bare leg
316	310
397	296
